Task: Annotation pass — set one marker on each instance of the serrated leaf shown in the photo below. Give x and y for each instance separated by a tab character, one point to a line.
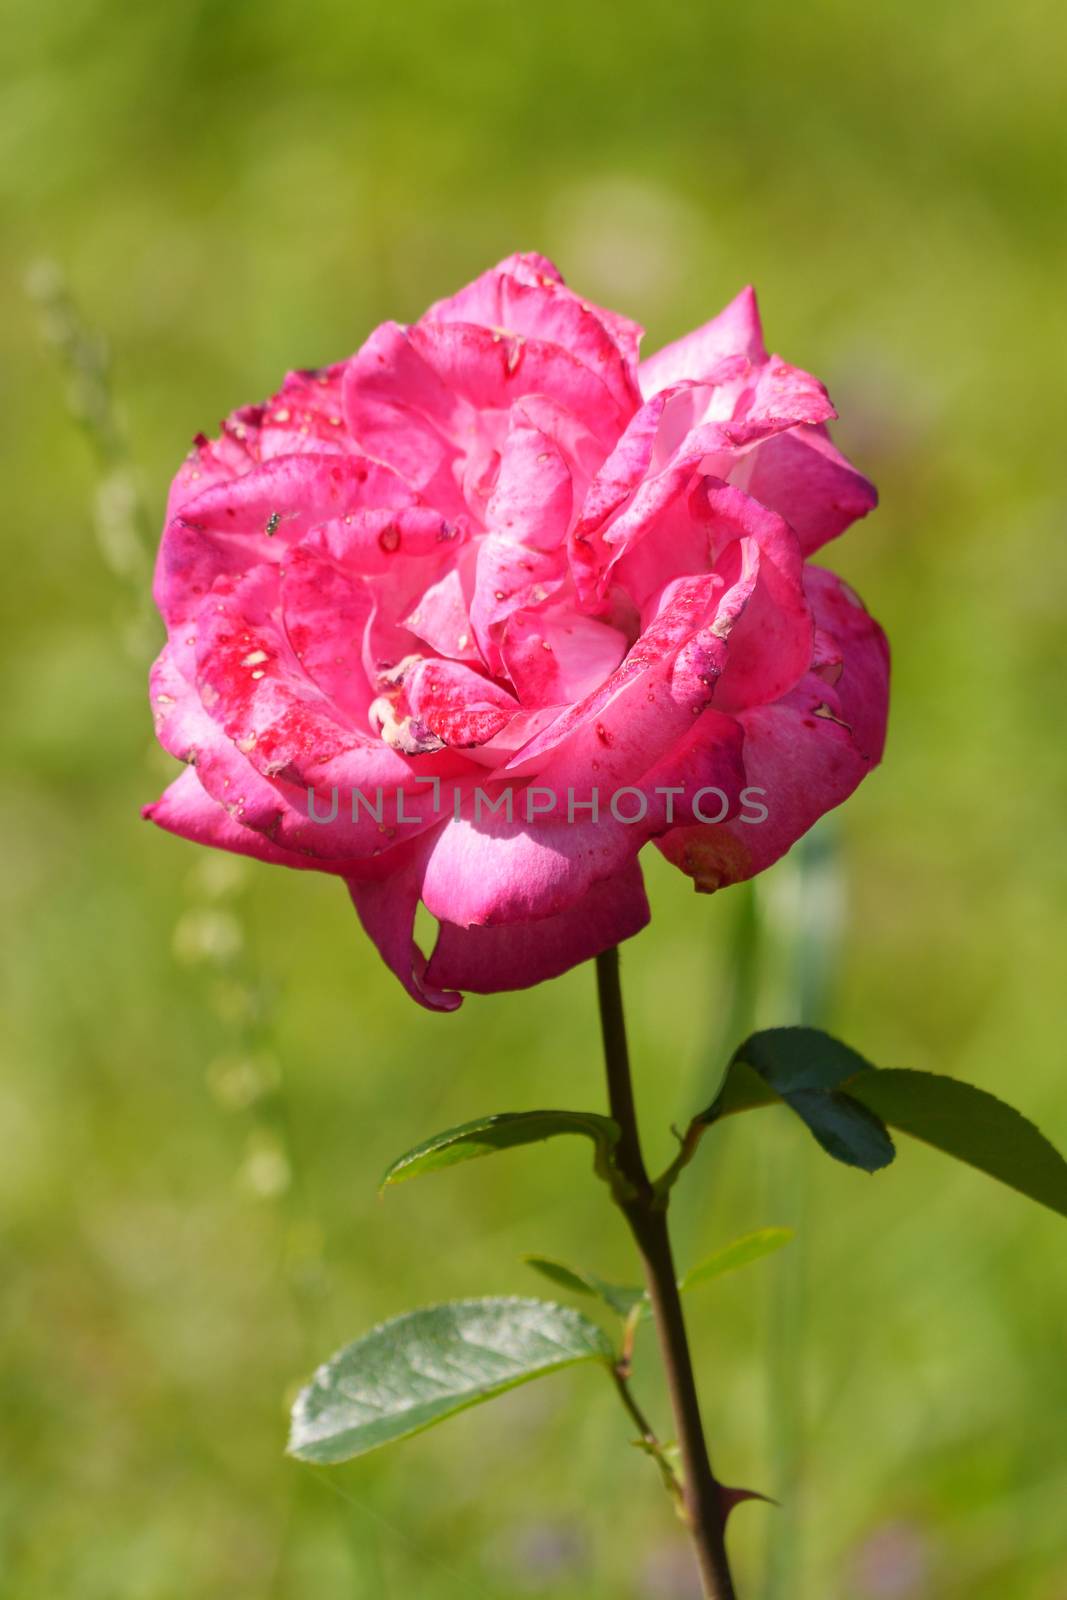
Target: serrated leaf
750	1247
425	1366
970	1124
620	1297
503	1131
806	1069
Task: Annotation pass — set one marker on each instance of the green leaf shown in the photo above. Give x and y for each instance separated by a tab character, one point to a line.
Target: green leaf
847	1104
750	1247
969	1124
806	1069
486	1135
420	1368
624	1298
620	1297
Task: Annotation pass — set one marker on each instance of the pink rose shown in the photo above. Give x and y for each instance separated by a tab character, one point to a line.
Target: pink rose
473	616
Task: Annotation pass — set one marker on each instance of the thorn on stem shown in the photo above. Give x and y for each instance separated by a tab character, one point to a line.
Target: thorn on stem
729	1498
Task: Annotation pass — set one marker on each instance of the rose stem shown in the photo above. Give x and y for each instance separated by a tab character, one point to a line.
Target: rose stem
647	1218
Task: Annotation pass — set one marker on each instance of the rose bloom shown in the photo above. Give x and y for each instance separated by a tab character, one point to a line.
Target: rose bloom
476	614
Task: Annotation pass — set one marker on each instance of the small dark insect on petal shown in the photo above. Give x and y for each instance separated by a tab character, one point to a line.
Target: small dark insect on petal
272	523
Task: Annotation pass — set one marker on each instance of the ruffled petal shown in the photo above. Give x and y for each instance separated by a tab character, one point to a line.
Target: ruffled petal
441	616
521	562
482	300
433	400
415	567
254	803
326	611
486	868
770	633
185	808
805	479
735	331
458	706
533	497
330	828
250	683
398	410
859	669
516	955
526	295
804	754
514	852
555	658
305	415
714	429
386	908
491	371
254	521
620	729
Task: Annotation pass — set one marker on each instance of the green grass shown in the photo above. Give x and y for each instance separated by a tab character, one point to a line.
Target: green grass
234	190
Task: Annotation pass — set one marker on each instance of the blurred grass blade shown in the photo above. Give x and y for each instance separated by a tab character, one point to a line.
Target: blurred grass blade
620	1297
425	1366
486	1135
970	1124
750	1247
806	1068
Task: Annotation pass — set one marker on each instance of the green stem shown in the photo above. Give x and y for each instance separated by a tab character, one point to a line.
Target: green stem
646	1214
646	1436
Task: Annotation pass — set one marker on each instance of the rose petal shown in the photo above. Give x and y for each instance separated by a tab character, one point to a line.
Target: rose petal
460	706
232	527
735	331
326	612
800	475
399	411
770	635
555	658
441	616
625	724
491	372
185	808
307	414
521	563
251	684
485	960
713	429
807	752
386	908
483	868
526	295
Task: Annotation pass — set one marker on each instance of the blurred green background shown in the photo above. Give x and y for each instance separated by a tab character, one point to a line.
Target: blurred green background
206	1068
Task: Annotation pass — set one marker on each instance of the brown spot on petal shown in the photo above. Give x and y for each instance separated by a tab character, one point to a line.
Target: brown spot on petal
714	859
828	716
